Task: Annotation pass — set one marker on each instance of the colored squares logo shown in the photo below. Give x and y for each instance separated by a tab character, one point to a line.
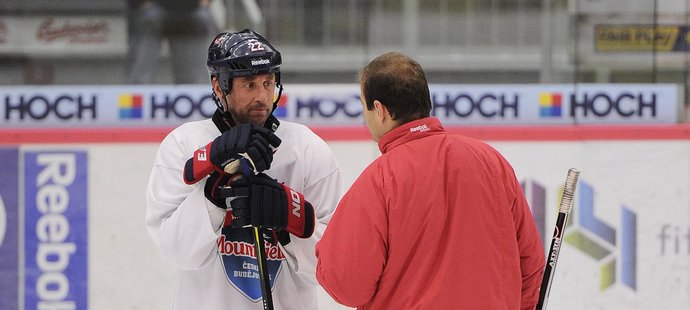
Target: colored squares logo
550	104
130	106
281	110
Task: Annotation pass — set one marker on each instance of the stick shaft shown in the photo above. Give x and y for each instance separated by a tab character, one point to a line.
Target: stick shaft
550	268
264	276
558	233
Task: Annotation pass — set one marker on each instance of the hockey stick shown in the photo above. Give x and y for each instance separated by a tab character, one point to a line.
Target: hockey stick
558	233
259	248
259	245
264	276
233	169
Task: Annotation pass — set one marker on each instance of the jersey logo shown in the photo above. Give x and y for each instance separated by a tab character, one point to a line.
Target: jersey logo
236	250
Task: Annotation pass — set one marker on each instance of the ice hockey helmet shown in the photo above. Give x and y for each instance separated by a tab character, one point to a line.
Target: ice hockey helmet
238	54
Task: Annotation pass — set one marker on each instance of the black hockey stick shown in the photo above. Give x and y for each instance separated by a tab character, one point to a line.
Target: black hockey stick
241	219
265	277
558	233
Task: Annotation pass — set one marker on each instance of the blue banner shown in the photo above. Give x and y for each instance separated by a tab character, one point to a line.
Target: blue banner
56	241
9	229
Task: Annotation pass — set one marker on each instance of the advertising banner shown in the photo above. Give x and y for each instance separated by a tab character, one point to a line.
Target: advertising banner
44	232
52	36
642	38
56	230
559	104
339	105
627	245
9	229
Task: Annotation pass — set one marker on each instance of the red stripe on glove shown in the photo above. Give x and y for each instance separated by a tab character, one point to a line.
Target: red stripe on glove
199	166
300	214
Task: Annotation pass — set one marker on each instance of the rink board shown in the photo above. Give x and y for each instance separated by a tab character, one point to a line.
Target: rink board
627	245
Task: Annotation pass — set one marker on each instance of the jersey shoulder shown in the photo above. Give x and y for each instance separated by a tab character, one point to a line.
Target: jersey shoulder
193	134
182	141
299	134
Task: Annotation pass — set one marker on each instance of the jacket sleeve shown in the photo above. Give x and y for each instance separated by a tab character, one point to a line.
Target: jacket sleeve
352	253
177	218
530	248
323	188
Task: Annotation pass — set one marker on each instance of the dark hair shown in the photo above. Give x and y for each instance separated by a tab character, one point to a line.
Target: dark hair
399	83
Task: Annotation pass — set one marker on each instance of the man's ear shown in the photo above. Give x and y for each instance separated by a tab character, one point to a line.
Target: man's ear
381	111
216	87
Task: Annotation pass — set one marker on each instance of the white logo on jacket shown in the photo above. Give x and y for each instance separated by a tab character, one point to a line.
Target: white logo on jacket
420	128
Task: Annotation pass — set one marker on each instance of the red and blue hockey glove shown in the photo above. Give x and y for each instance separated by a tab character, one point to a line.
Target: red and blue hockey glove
271	205
212	188
248	145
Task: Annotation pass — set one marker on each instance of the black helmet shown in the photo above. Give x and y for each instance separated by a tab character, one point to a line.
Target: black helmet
244	53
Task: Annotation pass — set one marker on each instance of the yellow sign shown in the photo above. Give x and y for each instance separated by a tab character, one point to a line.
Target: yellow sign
618	38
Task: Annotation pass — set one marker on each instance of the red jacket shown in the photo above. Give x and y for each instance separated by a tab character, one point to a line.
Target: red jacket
438	221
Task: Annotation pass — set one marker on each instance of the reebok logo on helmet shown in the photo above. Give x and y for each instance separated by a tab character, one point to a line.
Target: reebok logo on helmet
259	62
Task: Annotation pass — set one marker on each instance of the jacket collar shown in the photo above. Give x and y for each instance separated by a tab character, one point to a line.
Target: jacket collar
413	130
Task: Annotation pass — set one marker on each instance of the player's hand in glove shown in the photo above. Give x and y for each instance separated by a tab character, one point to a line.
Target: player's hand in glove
212	188
252	140
246	148
271	205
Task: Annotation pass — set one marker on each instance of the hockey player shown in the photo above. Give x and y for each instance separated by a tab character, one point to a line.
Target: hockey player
192	224
438	221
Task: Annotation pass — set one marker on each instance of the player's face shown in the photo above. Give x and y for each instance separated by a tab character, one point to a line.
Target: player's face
251	98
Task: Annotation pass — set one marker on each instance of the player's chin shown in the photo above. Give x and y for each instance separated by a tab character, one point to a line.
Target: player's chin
258	118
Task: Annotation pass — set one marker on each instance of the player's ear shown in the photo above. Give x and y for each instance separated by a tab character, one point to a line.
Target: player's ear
216	87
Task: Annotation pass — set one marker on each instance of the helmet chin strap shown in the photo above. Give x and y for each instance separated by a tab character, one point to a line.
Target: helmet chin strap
219	105
280	93
272	122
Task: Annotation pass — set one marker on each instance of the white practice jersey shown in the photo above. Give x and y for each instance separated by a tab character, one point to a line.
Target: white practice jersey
218	270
